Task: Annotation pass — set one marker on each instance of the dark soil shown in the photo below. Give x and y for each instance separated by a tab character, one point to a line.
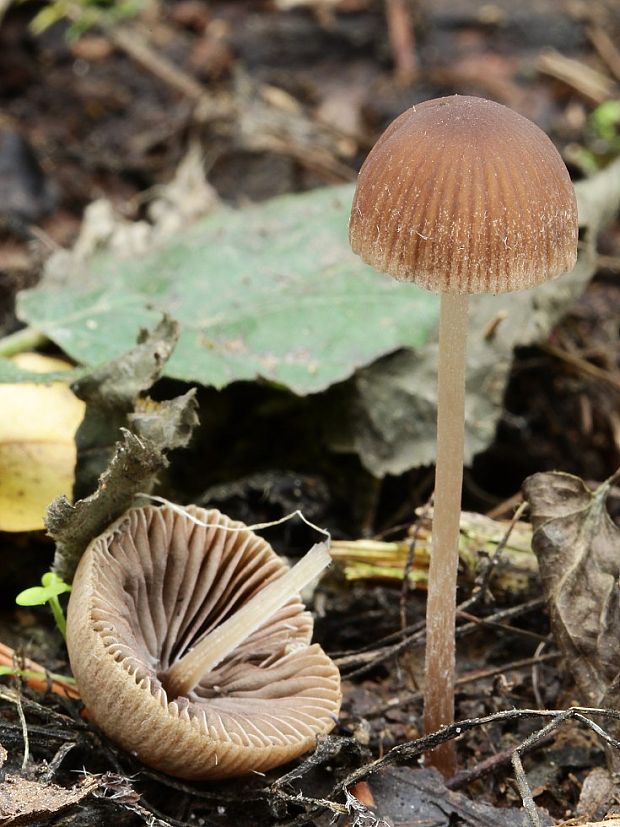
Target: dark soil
82	119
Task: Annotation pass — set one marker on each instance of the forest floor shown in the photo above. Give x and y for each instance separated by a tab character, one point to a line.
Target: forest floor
111	113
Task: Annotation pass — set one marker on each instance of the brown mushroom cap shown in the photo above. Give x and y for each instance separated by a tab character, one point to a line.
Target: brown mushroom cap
144	593
463	195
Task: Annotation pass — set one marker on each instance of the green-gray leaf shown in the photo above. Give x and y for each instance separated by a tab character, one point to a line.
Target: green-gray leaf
272	291
390	421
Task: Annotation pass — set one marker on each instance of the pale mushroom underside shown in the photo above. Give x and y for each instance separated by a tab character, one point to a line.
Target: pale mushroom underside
146	591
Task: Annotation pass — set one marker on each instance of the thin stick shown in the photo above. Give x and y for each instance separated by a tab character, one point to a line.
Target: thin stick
22	720
441	605
209	652
583	365
525	791
606	48
404	591
25	339
402	40
35	676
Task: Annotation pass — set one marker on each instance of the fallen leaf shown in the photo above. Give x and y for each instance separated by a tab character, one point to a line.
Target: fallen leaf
598	793
420	796
607	822
111	393
578	549
389	417
272	291
125	439
131	471
37	448
30	802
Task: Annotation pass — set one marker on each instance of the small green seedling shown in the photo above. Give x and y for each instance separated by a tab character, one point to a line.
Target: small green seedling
82	15
602	138
605	122
52	586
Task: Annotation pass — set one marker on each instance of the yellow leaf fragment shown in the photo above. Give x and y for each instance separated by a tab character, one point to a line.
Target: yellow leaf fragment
38	422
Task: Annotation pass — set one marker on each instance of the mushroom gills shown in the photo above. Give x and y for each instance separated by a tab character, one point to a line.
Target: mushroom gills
214	647
158	585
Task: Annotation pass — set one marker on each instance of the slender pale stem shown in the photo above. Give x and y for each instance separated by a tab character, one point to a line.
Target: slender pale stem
25	339
59	615
441	606
186	673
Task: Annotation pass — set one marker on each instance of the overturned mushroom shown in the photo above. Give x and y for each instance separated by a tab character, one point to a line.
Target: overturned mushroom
191	647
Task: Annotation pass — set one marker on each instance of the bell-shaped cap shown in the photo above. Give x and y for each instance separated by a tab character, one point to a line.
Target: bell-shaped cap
463	195
145	594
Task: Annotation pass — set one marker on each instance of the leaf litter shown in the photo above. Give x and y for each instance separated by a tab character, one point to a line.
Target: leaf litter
132	469
192	793
578	548
110	472
274	292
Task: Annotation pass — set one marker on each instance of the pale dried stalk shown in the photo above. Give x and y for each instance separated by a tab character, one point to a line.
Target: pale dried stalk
181	678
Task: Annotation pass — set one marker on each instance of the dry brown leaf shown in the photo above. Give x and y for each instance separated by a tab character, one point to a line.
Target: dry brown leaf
598	793
578	549
27	802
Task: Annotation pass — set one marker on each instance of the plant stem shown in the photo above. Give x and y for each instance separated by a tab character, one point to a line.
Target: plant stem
441	605
183	676
59	615
26	339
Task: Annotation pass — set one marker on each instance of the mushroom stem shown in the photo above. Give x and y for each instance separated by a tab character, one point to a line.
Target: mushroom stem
441	605
186	673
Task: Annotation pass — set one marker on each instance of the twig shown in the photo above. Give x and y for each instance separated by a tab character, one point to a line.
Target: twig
590	84
605	48
504	627
613	742
535	740
46	712
353	657
409	751
404	591
506	506
54	764
536	674
368	660
36	676
402	40
22	720
489	765
482	590
524	790
470	677
134	45
25	339
582	365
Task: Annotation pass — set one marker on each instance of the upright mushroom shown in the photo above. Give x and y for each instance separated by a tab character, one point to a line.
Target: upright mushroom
460	195
191	647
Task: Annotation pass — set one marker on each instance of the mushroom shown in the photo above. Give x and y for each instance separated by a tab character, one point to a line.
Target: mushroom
191	647
460	195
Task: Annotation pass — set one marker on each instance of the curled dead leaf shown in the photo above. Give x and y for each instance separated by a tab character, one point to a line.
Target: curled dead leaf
578	549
